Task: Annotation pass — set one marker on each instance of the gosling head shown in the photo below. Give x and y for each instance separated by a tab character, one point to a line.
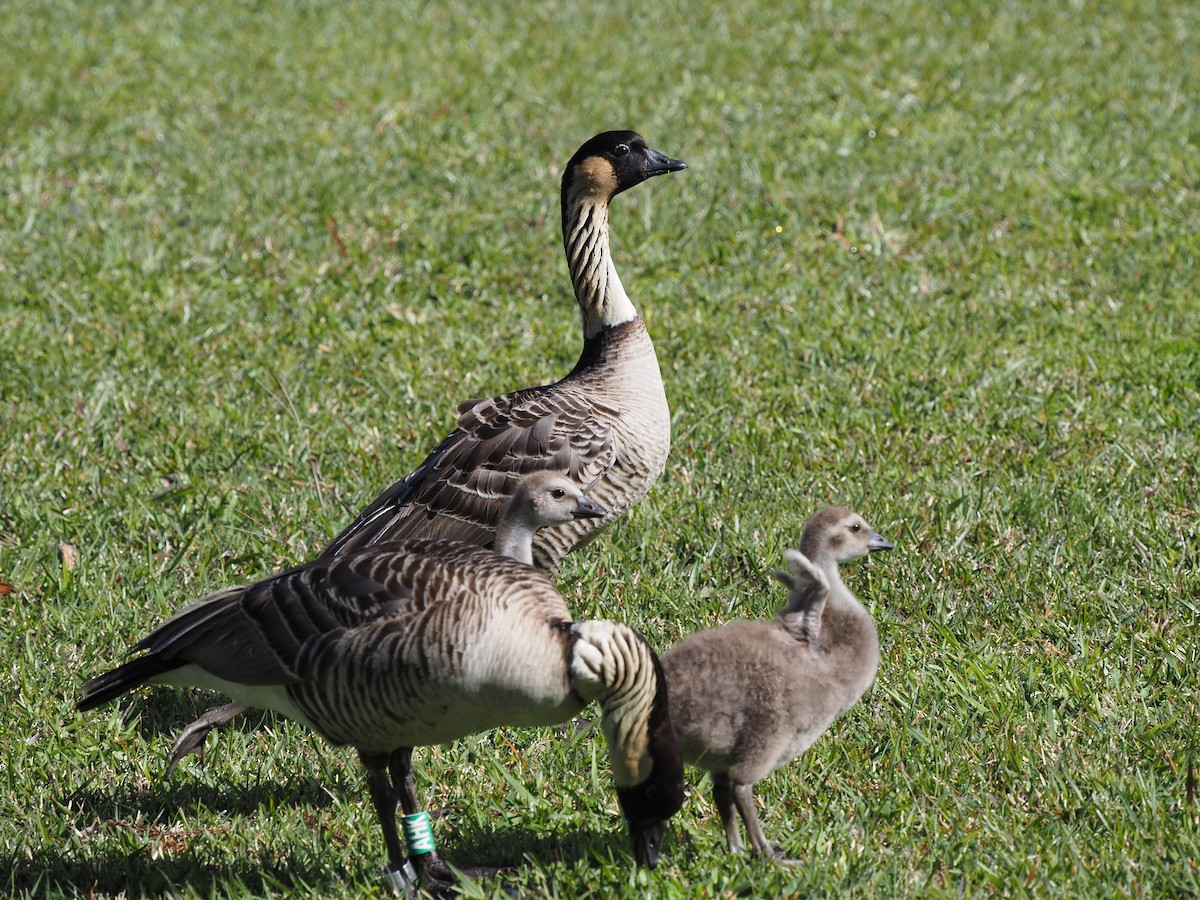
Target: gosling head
612	162
836	534
551	498
541	499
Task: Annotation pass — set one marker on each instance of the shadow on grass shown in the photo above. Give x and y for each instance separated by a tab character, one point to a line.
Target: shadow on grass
157	868
166	801
146	872
510	847
155	808
154	813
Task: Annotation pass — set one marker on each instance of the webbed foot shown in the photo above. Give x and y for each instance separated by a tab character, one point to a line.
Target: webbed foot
438	879
191	739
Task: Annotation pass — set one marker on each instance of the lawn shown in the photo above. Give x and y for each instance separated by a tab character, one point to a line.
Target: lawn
935	262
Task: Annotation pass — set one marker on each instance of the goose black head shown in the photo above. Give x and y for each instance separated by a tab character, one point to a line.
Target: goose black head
649	804
614	161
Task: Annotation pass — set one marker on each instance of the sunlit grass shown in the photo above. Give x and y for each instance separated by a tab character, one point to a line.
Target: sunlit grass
934	262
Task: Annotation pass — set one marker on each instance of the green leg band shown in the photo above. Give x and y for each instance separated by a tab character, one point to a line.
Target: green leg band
417	833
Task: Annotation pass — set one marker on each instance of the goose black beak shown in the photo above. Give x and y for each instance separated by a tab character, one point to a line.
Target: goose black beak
589	509
878	542
647	841
660	164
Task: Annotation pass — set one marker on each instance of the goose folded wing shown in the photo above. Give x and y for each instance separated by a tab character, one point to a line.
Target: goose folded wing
467	479
255	634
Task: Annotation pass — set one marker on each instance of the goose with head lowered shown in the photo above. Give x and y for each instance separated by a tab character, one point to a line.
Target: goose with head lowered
420	642
751	696
606	423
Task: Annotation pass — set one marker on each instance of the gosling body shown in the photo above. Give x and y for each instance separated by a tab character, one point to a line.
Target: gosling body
751	696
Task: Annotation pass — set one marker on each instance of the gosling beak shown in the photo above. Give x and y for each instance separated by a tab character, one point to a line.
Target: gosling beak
647	840
878	542
588	509
660	164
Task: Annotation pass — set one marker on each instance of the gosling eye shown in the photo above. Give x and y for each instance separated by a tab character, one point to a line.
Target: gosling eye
621	150
856	528
558	493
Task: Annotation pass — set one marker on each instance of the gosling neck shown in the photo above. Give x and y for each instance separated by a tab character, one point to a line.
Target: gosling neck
514	538
602	300
828	564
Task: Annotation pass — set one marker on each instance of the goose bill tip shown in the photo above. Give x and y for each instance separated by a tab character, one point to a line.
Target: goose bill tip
879	542
589	509
647	842
661	164
669	165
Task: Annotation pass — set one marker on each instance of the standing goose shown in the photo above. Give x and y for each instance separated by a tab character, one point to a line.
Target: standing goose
421	642
749	697
606	423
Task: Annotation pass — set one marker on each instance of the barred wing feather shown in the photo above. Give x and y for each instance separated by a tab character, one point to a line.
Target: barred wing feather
458	492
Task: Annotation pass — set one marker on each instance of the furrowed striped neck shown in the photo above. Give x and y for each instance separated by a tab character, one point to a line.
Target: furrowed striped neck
598	289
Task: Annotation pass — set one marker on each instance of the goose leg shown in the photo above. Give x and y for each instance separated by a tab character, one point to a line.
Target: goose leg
400	763
383	798
191	739
435	875
723	798
743	798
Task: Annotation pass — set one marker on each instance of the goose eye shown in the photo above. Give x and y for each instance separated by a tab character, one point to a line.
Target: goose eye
558	493
856	528
621	150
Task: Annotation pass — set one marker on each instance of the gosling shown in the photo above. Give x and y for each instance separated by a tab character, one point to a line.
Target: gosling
749	697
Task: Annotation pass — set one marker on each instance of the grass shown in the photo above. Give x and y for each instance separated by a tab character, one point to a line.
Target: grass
937	262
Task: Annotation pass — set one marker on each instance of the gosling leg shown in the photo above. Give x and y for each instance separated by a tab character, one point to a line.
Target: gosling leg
723	798
743	798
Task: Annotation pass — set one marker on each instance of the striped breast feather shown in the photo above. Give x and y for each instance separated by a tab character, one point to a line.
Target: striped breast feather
461	488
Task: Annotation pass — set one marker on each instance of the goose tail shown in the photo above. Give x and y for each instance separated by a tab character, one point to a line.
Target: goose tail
99	690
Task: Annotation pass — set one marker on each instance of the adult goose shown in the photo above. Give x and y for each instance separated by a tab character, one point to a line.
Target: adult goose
749	697
421	642
606	423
